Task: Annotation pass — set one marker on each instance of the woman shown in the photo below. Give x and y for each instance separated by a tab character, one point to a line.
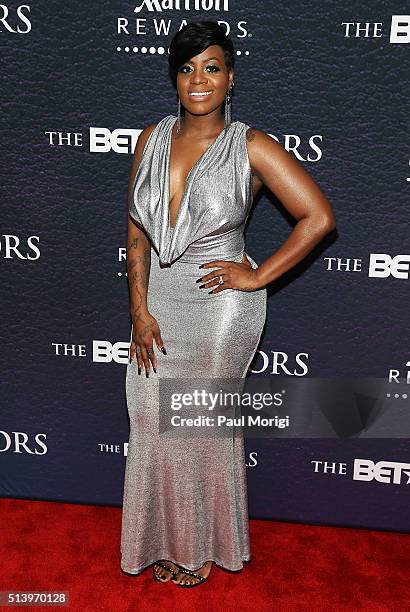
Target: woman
191	188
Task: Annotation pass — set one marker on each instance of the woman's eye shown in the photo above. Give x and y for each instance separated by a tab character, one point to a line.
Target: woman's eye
182	69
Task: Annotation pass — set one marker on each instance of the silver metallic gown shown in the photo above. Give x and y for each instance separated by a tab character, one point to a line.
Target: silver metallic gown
186	499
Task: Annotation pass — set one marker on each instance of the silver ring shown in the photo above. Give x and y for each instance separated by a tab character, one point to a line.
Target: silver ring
137	349
221	280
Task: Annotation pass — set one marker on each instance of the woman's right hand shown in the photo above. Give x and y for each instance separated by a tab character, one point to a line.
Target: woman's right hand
145	329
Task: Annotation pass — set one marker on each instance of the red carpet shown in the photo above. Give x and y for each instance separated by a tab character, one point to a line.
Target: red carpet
53	546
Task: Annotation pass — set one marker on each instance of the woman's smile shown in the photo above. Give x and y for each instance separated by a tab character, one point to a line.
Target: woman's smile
200	95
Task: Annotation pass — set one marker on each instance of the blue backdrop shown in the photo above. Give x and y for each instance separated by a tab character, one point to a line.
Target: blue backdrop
79	81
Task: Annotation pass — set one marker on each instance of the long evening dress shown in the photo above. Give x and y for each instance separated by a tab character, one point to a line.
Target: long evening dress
185	500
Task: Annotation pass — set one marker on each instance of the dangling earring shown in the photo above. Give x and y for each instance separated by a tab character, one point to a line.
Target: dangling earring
228	102
179	117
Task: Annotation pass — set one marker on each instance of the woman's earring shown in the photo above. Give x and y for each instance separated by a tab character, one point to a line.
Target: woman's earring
228	103
179	117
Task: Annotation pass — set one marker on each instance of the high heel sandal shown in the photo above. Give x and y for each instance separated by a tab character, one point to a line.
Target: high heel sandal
188	572
166	567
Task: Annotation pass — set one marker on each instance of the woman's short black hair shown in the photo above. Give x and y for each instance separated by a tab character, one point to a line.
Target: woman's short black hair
193	39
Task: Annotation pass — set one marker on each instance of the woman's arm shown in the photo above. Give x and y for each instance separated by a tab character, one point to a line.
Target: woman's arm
138	244
145	327
300	195
138	269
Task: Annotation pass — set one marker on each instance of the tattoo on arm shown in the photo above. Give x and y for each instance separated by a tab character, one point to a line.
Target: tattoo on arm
250	134
138	268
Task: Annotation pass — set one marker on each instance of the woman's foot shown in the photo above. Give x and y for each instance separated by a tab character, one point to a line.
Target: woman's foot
162	573
186	577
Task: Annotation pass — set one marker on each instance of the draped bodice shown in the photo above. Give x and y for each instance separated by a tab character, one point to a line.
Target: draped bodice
215	204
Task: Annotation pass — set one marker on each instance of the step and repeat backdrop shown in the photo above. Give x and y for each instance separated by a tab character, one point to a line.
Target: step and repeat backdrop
327	80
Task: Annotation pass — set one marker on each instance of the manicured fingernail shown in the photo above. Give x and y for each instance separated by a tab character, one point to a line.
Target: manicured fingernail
201	286
201	266
146	373
210	291
139	370
199	280
154	369
163	350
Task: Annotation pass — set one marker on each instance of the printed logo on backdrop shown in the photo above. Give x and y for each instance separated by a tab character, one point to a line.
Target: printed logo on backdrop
398	29
102	351
399	382
380	265
367	470
123	140
105	351
388	472
157	6
383	265
154	19
280	363
20	442
16	247
14	20
122	449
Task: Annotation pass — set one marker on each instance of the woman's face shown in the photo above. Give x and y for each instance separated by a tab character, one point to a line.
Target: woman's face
205	73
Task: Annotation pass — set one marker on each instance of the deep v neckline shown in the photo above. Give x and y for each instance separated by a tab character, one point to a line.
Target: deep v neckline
168	173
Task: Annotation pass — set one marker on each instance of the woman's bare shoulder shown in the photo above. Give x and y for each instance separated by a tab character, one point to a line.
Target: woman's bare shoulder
140	145
257	138
144	135
266	152
146	132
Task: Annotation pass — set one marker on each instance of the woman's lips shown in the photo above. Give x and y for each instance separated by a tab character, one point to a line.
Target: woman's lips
200	96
